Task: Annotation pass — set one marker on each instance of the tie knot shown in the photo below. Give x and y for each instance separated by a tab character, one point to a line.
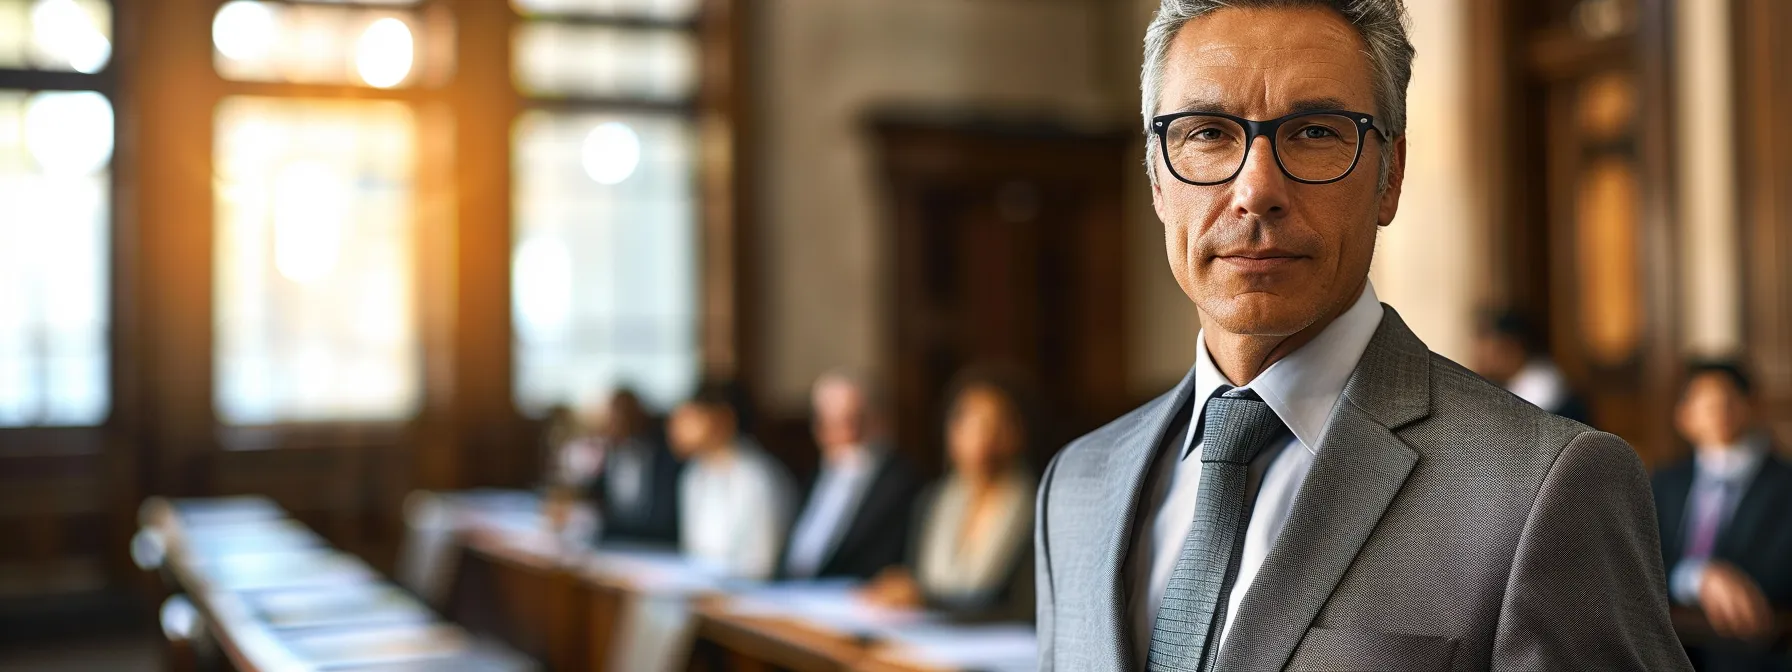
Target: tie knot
1236	426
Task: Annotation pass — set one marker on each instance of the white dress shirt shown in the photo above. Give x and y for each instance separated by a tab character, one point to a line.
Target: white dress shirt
841	485
1540	383
1301	388
733	509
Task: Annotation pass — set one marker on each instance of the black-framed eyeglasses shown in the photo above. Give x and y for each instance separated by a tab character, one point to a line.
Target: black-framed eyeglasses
1209	148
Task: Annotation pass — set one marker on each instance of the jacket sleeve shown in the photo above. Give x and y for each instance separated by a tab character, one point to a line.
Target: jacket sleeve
1042	568
1587	590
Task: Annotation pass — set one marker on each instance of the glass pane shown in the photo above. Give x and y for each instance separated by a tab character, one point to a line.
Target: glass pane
66	35
316	44
604	61
314	285
55	154
604	267
651	9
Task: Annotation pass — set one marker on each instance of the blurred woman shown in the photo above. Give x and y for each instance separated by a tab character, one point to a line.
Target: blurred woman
972	555
734	499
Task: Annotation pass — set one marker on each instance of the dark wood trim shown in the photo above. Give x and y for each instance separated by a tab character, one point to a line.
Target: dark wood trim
1763	30
46	80
723	117
613	21
593	104
1661	263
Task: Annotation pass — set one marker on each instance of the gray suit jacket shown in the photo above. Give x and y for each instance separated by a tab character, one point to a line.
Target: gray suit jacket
1445	524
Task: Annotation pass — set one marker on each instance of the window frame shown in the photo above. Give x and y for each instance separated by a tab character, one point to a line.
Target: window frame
78	440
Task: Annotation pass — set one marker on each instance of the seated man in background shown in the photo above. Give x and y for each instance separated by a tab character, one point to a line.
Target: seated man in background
1726	535
1509	352
972	552
636	488
734	499
855	519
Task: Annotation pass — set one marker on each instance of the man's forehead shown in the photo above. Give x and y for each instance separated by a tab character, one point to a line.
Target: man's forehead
1261	61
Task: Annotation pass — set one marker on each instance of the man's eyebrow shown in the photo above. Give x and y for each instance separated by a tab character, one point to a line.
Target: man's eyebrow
1209	106
1316	105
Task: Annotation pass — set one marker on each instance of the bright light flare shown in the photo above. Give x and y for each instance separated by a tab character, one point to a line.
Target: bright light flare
68	34
310	206
69	132
244	30
611	152
383	55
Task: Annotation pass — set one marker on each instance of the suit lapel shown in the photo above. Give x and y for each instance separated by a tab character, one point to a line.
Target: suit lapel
1752	510
1127	467
1360	467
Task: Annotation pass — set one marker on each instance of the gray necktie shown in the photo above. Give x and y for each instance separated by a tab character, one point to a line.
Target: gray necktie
1235	427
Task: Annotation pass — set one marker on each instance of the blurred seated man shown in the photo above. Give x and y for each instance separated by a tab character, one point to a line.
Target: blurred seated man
734	499
636	489
855	519
973	555
1726	535
1509	352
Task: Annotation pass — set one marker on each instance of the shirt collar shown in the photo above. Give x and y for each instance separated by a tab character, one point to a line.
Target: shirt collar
1735	462
1303	387
853	459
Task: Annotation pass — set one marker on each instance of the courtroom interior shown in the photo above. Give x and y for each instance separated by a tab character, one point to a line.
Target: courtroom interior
643	335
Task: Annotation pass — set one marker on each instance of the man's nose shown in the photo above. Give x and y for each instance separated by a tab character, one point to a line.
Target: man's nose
1261	189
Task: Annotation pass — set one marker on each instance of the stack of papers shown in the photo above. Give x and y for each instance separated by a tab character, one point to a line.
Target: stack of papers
297	569
828	605
994	648
354	604
368	646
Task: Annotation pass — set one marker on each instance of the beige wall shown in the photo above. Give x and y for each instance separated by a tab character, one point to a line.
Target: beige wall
1431	262
1710	275
824	65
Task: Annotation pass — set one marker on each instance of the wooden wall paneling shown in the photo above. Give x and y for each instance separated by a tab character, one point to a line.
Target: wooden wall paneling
1628	373
1764	96
493	446
726	191
1656	438
173	91
1007	251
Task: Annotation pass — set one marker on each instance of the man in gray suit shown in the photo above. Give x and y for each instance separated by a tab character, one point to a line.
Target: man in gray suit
1322	492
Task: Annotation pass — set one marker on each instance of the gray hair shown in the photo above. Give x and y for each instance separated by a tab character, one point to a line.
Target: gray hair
1381	23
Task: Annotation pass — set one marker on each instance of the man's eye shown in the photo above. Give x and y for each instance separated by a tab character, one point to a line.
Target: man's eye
1206	134
1317	133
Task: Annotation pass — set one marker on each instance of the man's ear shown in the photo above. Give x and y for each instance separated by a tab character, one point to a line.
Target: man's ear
1157	192
1390	197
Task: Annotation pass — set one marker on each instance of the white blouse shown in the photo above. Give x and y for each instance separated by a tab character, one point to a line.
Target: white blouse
734	510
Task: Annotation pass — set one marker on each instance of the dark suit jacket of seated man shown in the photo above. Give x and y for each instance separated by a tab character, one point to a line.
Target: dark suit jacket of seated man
1322	492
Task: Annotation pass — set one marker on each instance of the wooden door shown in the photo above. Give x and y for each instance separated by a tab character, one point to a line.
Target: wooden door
1007	247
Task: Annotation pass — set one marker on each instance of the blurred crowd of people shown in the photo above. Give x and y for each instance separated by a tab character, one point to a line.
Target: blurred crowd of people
699	480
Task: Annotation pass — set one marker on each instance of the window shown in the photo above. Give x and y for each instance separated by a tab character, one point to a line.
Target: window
323	43
604	266
315	214
55	191
314	260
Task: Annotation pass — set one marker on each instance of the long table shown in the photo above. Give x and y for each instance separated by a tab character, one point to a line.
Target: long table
578	607
275	597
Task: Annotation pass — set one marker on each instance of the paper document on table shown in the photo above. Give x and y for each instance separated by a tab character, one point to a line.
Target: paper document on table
993	648
658	572
353	604
293	569
828	605
364	646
